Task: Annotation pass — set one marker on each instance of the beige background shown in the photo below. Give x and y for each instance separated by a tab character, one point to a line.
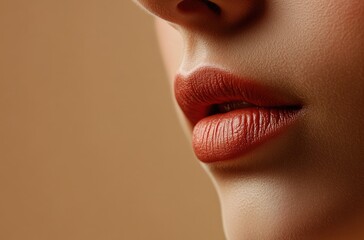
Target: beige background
90	147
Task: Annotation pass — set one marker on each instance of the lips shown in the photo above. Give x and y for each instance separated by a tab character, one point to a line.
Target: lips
230	115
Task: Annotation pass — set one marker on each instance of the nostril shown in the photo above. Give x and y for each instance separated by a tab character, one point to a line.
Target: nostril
212	6
196	5
212	16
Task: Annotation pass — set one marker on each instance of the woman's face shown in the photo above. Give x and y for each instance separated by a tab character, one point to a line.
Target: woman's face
285	146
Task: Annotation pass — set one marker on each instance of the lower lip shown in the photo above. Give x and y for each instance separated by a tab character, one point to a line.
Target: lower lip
226	136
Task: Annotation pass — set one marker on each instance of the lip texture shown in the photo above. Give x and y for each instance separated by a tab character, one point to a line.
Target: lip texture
230	115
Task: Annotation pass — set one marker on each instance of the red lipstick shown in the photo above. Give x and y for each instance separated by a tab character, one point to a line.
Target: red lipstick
230	115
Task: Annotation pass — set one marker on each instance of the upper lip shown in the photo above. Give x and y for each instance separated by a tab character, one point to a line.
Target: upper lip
198	92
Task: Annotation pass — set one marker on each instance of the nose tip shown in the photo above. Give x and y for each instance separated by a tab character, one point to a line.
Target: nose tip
205	15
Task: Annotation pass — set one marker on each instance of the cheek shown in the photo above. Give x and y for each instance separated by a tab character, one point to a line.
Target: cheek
326	66
333	69
330	43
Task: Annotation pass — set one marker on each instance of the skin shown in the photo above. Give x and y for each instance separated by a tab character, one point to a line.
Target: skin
307	183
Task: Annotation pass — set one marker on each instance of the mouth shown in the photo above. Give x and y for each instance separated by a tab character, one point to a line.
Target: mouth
230	116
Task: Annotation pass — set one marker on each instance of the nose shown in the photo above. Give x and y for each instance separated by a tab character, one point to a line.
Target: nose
206	15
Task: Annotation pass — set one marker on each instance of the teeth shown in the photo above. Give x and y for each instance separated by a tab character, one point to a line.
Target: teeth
227	107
